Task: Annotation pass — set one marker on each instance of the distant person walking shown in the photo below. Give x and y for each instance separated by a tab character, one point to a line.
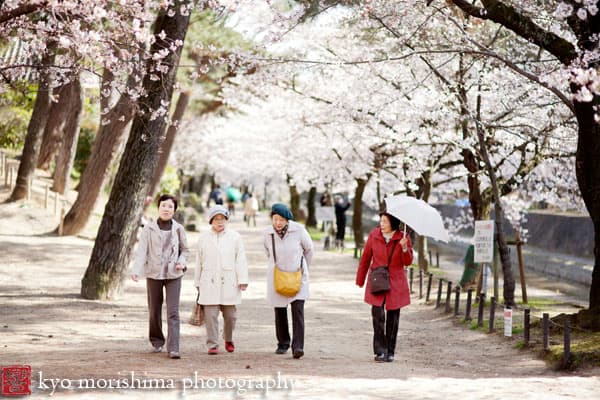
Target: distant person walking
161	258
216	195
386	247
220	277
250	209
288	245
340	220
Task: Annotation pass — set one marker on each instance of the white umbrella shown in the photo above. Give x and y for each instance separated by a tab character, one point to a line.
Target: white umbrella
420	216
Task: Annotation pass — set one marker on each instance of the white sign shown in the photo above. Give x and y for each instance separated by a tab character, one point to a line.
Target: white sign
507	322
484	241
325	213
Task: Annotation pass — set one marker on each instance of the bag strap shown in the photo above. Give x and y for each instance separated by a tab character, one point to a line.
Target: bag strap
390	255
273	245
275	255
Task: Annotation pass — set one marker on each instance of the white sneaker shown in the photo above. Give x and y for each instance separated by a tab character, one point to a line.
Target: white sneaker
156	349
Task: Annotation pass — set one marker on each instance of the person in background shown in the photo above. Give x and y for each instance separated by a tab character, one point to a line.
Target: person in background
290	243
340	220
250	209
386	246
161	258
220	277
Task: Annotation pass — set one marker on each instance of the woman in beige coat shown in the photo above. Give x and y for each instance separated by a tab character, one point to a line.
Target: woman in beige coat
288	244
161	258
220	277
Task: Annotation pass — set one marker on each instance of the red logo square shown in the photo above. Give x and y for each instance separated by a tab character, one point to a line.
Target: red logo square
16	380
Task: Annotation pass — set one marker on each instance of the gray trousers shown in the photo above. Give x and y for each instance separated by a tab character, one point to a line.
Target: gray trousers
155	302
211	319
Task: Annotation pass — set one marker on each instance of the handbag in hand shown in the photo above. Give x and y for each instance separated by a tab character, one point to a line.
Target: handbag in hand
379	278
286	283
197	317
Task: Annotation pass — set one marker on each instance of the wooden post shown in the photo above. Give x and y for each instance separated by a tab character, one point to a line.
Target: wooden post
410	279
439	294
429	281
448	297
469	301
521	270
456	300
526	326
492	314
437	259
481	307
420	283
546	331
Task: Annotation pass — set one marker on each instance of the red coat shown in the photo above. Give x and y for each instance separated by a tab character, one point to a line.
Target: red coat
375	254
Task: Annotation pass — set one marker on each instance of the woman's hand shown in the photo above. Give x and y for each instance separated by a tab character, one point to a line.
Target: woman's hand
243	286
404	244
135	277
180	267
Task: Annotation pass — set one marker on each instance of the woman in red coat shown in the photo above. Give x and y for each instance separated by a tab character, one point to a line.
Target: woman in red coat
386	246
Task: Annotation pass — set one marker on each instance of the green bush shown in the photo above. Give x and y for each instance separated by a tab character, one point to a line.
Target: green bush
15	112
169	183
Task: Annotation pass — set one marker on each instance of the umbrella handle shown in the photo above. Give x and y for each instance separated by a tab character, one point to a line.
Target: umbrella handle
404	230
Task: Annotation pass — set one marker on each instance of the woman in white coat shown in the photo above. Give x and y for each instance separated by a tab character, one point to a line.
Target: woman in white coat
293	248
220	277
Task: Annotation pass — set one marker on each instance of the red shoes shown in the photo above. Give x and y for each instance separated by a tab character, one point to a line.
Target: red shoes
213	351
230	347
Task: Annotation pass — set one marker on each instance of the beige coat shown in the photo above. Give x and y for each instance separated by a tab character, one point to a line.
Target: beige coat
295	245
220	268
148	256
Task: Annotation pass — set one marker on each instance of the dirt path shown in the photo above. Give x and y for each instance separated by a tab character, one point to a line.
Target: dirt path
44	323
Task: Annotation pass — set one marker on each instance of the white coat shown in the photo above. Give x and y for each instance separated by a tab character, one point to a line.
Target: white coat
296	244
220	268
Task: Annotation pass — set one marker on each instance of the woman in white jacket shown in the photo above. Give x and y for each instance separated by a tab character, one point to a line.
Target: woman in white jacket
220	277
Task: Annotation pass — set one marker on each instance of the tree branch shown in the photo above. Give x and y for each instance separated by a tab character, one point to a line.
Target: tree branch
21	10
523	26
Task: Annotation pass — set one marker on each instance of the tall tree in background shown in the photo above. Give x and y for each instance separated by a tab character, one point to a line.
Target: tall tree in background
66	152
116	235
35	130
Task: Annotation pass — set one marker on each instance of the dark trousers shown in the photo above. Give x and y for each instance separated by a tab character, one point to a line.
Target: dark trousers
155	302
385	330
282	330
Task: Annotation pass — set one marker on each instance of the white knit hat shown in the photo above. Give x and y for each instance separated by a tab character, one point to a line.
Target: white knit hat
215	210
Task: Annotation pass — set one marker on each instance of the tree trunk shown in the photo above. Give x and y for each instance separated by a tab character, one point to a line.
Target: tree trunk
425	191
294	198
357	229
116	235
107	141
509	279
66	155
311	218
587	168
35	129
55	126
165	150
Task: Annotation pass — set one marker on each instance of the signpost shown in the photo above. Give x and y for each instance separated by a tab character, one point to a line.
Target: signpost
484	247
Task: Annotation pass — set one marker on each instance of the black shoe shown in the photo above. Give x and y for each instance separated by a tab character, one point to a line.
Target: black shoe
298	353
389	358
281	350
380	357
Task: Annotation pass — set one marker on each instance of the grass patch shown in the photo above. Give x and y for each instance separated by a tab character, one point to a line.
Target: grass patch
316	234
